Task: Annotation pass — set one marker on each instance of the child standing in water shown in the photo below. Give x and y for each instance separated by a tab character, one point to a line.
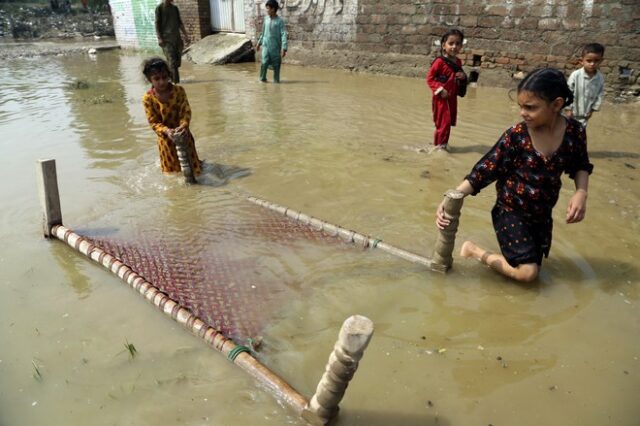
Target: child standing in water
169	115
587	84
447	80
273	41
527	163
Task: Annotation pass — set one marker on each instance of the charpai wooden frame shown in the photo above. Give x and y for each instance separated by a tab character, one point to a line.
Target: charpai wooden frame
442	255
353	339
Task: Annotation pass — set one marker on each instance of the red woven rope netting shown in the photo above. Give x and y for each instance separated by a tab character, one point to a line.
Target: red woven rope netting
229	276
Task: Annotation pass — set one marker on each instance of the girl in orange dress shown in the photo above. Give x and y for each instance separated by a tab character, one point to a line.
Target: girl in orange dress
169	115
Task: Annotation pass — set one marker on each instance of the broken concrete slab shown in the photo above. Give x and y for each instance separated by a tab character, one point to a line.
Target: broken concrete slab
221	48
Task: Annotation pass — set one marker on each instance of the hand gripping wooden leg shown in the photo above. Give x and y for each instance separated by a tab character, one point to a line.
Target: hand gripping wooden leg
442	253
182	149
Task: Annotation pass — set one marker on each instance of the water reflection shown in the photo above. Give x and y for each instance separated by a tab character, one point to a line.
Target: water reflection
73	267
614	154
100	107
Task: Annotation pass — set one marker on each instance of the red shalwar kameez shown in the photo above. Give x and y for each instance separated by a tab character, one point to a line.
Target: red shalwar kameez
445	111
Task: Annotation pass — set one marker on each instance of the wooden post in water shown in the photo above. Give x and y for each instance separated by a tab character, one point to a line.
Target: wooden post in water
353	339
49	195
182	149
442	254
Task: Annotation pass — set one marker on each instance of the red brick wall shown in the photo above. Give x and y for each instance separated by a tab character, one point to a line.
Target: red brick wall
519	36
504	37
196	15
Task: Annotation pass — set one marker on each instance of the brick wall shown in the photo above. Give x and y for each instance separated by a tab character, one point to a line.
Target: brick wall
504	37
196	16
323	23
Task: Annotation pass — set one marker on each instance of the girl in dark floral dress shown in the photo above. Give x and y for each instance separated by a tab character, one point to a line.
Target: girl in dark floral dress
526	163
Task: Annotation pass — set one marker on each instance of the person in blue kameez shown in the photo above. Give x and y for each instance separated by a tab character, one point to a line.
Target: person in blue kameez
274	42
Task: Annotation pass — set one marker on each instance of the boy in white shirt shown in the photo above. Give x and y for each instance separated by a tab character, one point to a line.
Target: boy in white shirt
587	84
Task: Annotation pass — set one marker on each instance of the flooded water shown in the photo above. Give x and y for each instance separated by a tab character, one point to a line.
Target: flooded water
468	347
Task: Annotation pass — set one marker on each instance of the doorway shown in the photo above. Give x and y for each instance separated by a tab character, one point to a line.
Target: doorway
227	15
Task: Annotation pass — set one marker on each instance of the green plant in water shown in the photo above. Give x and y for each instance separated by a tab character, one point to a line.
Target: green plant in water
131	349
101	99
36	371
79	84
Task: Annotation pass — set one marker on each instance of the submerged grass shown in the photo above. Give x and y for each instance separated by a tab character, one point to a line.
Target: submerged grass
36	371
131	349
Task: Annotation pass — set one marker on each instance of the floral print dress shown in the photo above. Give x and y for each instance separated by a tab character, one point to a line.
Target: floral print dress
528	186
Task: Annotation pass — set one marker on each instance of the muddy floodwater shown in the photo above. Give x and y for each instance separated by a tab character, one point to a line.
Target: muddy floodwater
465	348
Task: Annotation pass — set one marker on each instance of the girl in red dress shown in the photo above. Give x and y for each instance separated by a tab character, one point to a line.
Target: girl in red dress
447	80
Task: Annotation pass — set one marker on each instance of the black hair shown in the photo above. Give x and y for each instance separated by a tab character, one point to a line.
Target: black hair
547	84
154	65
272	4
596	48
449	33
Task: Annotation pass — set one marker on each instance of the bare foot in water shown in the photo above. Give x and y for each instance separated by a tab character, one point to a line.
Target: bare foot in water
468	249
526	272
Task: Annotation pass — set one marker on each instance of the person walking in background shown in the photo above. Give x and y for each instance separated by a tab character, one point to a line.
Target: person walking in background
168	28
169	115
273	41
447	80
587	84
527	163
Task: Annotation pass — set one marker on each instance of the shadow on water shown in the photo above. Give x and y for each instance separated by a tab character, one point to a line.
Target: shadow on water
304	82
70	263
384	418
480	149
608	274
613	154
216	174
618	274
212	80
231	172
104	231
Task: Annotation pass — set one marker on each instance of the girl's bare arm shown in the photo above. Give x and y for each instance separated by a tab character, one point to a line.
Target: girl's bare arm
577	207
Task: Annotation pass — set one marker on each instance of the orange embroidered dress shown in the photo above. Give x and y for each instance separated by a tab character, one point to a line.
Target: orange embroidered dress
162	116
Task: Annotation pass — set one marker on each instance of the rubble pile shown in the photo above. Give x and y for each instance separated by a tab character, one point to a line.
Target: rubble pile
41	22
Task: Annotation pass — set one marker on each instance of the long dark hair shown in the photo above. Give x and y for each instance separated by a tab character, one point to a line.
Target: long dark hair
547	84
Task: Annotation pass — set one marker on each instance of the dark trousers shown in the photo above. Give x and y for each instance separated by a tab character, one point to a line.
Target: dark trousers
173	53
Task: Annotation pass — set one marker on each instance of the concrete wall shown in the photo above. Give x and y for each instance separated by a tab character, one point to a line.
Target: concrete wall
504	37
133	23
